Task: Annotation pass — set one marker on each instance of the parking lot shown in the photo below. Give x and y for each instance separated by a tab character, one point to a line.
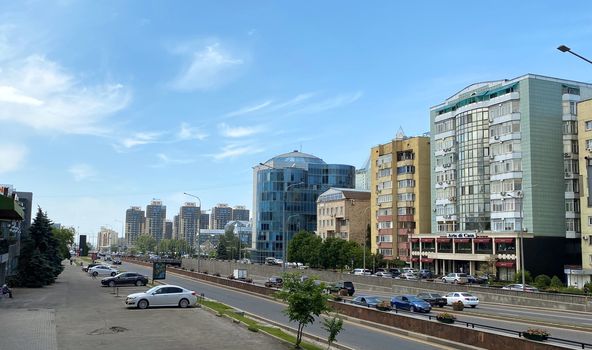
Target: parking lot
77	312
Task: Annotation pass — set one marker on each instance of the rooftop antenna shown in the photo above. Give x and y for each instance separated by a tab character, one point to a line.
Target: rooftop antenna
400	134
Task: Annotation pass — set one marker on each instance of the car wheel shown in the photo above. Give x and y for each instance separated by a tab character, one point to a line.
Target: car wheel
183	303
413	309
138	283
142	304
440	305
113	274
455	281
443	280
473	306
95	273
111	283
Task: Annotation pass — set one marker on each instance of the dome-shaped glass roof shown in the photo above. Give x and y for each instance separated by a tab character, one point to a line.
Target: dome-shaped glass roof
293	159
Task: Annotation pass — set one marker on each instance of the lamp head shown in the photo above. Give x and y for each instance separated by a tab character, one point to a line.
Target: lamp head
563	48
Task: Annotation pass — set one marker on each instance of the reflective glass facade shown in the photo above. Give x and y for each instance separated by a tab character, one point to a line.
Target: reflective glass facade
286	189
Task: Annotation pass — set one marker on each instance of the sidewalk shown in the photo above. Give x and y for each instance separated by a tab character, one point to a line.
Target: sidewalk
76	312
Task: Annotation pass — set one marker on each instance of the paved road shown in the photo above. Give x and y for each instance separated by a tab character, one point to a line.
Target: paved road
353	335
77	313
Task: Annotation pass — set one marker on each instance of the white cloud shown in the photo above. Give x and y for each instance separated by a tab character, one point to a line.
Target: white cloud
231	151
140	138
166	160
188	133
38	93
240	131
248	109
209	67
12	157
330	103
82	171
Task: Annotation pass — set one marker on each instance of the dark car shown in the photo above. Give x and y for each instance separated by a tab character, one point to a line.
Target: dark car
425	273
125	278
411	303
366	300
433	299
85	268
338	286
274	282
116	262
395	272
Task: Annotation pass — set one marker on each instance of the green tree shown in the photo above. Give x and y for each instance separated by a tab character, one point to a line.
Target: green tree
221	250
542	281
556	283
527	277
40	259
305	247
334	326
145	243
65	239
305	301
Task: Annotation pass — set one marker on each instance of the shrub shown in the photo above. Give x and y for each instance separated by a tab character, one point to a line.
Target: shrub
542	281
458	306
537	331
253	329
527	277
343	292
588	288
556	282
445	316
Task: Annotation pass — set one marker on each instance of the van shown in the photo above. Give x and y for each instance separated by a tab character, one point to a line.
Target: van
362	272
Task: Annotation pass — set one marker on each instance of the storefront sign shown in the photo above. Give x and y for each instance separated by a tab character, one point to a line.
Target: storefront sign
462	235
504	264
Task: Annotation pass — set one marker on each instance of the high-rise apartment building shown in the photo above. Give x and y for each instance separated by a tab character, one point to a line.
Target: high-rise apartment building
240	213
204	221
168	229
499	150
344	213
220	216
134	224
284	198
155	220
400	194
189	216
106	238
584	127
176	227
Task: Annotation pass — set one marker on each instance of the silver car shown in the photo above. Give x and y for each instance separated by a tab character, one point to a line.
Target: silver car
166	295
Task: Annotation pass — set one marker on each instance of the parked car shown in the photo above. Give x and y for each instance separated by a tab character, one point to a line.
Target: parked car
467	299
518	287
433	299
455	277
408	276
362	272
116	262
102	270
366	300
166	295
395	272
383	274
408	269
410	303
125	278
274	282
425	273
85	268
337	286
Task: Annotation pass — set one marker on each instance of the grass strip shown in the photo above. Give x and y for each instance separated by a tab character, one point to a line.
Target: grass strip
252	324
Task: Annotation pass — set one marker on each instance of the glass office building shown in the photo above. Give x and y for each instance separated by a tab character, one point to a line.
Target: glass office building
285	192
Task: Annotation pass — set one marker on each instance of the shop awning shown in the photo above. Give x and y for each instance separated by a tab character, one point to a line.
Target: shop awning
414	240
462	240
427	260
504	263
415	259
444	240
482	240
426	240
504	240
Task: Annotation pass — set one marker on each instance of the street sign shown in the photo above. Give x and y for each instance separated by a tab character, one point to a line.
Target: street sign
158	271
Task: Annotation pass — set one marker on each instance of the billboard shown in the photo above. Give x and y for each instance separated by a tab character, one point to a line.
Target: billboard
158	270
82	245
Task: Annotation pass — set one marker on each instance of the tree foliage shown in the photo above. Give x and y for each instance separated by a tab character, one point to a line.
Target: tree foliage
65	239
40	259
527	277
174	247
556	282
145	243
542	281
305	301
333	326
305	247
230	246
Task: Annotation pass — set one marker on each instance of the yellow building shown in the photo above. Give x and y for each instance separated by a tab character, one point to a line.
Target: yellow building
400	195
343	213
584	112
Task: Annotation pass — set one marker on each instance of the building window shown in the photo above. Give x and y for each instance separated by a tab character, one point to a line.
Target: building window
589	220
588	125
386	252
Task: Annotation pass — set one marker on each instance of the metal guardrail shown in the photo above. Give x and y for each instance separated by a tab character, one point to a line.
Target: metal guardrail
474	325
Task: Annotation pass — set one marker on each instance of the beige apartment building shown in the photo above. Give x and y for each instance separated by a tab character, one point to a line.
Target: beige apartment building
400	194
574	275
343	213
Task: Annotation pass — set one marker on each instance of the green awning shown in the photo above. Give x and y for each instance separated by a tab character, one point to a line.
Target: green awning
10	209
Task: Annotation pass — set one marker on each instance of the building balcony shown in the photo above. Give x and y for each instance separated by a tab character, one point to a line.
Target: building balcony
404	231
385	231
10	209
405	218
383	245
383	218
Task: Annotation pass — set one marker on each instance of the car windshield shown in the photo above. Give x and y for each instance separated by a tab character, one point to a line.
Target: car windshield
435	295
152	290
466	294
371	300
414	299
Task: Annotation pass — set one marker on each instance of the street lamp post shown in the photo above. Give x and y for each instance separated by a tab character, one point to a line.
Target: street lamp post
564	48
519	195
198	230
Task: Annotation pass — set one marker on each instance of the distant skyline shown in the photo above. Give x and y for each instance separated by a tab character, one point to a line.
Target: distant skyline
107	105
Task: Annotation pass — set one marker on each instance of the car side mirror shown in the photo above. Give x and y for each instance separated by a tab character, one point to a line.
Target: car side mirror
153	293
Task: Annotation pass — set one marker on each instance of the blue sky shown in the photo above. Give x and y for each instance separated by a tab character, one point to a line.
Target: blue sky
108	104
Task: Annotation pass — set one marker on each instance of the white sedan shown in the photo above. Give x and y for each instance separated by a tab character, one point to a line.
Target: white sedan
102	270
467	299
167	295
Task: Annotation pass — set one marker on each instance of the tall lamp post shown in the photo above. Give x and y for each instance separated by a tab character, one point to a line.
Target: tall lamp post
198	231
519	195
564	48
